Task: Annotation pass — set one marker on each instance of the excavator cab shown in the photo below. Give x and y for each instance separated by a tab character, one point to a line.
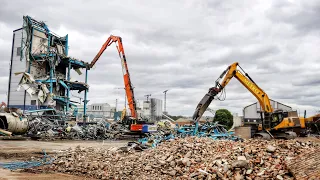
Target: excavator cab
277	117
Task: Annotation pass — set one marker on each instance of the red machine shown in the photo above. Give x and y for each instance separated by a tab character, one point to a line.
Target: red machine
132	121
3	105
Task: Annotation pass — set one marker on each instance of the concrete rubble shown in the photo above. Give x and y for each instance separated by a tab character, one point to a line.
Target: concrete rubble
186	158
306	165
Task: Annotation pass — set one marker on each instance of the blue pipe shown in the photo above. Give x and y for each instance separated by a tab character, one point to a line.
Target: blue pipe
66	45
51	63
51	75
195	131
30	49
85	99
63	84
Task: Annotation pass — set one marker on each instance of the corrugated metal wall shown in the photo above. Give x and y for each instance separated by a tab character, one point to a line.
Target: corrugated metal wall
18	64
20	99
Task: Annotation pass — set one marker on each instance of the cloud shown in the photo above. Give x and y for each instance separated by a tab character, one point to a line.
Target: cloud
184	46
300	14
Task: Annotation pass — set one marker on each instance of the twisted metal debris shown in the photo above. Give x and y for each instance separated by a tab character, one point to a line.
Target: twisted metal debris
50	125
214	131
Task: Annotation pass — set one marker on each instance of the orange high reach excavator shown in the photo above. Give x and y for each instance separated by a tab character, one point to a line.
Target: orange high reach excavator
132	121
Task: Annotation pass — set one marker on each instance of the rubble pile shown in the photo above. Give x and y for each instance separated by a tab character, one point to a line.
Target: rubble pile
186	158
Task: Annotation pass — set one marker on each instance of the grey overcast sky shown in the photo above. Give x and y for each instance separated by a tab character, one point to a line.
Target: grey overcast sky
184	46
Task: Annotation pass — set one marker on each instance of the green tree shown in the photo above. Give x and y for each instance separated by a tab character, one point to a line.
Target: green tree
224	117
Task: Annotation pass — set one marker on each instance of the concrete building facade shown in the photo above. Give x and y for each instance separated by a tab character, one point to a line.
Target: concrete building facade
152	109
39	72
237	120
146	109
156	109
98	110
18	64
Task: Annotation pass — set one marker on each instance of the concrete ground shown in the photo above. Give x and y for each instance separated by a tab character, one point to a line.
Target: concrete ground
17	150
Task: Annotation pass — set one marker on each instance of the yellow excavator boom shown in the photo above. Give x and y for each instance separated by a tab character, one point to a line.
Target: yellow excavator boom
271	120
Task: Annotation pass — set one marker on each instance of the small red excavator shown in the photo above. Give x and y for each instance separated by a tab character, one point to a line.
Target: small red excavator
132	122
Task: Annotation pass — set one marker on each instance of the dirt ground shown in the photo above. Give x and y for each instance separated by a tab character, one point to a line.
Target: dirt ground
17	150
8	175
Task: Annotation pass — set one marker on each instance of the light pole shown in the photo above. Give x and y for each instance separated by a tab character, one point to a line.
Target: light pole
165	101
116	105
148	95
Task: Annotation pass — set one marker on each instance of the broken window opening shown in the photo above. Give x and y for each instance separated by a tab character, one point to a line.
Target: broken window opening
18	51
33	102
3	122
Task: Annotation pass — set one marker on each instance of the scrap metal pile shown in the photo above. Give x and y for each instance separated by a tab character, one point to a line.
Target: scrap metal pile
186	158
50	130
50	126
212	130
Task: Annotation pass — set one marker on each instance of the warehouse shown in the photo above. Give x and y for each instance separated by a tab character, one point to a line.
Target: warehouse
251	113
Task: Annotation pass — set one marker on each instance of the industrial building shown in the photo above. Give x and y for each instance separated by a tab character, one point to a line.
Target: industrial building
237	120
97	110
152	109
40	69
251	113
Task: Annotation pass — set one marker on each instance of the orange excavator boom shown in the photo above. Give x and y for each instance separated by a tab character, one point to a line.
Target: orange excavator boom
126	76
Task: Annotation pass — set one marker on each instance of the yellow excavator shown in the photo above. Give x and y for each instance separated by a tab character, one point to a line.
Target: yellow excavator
274	123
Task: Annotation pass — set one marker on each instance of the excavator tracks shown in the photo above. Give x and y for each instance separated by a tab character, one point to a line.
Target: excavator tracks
262	135
276	135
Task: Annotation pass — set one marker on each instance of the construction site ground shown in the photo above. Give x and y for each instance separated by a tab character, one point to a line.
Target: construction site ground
19	150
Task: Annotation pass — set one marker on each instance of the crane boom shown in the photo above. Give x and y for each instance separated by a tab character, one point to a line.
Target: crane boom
126	76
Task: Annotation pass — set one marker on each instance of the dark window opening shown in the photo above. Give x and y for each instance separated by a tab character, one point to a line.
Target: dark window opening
18	51
3	123
33	102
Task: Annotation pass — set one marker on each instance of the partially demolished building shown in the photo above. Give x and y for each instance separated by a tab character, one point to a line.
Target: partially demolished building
40	70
